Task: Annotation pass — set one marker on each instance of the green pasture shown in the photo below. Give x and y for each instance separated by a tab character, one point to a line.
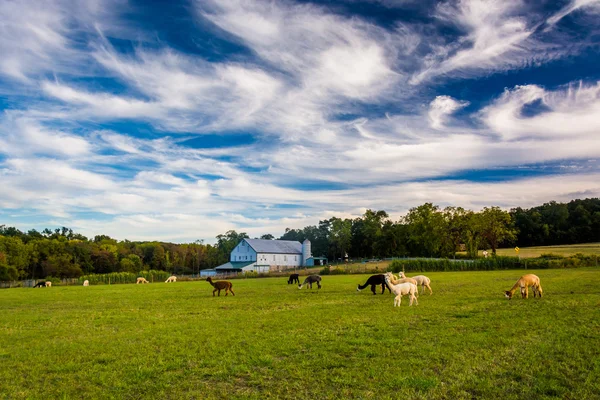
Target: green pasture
176	341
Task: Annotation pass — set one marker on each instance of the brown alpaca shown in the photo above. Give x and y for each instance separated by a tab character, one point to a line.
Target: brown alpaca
523	283
225	285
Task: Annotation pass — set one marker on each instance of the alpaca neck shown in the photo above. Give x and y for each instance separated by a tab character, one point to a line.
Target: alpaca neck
514	288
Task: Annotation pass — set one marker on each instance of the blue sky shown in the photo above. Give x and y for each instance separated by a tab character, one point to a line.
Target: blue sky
178	121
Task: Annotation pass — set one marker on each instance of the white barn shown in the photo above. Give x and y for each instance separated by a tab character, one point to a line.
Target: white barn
262	255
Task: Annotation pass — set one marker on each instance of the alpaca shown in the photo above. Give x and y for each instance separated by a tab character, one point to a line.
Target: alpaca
422	281
374	281
172	278
310	280
398	281
294	278
523	283
40	284
141	280
226	285
48	284
402	289
86	283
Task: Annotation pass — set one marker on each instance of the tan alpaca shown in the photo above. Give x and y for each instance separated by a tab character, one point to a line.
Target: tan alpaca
422	281
172	278
48	284
86	283
395	281
523	283
221	285
141	280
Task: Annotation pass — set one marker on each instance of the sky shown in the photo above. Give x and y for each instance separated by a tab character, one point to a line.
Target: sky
178	121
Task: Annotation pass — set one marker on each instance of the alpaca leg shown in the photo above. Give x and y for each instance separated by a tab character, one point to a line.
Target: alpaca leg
416	301
373	289
214	292
319	285
231	290
399	299
430	291
540	290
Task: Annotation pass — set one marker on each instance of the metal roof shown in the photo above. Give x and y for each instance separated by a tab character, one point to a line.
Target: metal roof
275	246
234	265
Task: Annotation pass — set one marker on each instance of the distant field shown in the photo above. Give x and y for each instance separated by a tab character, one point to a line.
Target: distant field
564	250
175	341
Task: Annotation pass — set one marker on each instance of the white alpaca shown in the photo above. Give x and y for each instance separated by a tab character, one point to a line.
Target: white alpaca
86	283
172	278
48	284
401	289
141	280
422	281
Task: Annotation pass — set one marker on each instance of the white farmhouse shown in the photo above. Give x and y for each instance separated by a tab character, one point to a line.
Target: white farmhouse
262	255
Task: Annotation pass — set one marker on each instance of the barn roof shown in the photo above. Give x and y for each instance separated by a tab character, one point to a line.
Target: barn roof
233	265
275	246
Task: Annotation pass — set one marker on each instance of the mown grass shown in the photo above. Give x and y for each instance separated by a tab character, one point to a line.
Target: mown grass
175	341
562	250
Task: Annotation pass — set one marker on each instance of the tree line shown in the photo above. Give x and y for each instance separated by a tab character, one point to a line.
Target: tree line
426	230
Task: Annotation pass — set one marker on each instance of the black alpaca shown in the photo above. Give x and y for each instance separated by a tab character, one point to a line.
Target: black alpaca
294	278
310	280
40	284
375	280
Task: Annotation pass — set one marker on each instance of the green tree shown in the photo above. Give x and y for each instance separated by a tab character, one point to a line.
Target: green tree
426	229
496	227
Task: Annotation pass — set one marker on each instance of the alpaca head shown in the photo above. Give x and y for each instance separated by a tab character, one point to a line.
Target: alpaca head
208	279
507	294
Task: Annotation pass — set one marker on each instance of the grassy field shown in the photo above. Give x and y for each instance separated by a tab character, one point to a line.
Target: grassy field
563	250
175	341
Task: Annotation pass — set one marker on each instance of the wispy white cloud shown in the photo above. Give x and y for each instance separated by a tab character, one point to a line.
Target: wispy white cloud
569	113
494	38
441	108
573	5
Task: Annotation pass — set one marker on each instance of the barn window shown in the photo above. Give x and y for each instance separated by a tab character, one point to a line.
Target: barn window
295	258
273	257
284	258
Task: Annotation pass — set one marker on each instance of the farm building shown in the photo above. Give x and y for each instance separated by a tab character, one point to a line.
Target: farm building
262	255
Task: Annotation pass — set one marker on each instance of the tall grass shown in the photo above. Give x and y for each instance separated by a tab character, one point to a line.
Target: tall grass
546	261
124	277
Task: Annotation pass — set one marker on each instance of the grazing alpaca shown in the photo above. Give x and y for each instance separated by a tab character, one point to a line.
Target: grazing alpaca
294	278
40	284
310	280
422	281
141	280
523	283
226	285
401	289
374	281
48	283
86	283
172	278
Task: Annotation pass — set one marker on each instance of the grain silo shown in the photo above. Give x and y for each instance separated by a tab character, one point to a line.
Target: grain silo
306	254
